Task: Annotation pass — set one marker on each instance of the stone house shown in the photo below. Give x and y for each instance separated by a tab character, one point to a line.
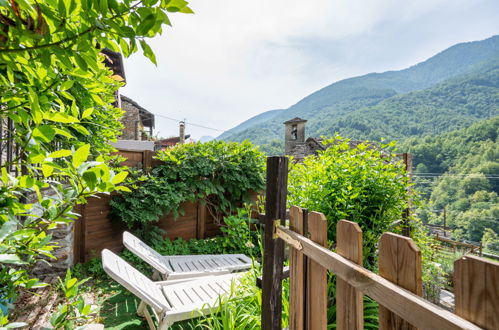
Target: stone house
295	144
138	122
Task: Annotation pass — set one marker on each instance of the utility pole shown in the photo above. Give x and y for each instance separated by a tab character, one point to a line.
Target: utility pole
445	222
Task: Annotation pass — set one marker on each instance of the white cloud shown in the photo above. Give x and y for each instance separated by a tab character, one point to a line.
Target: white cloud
235	59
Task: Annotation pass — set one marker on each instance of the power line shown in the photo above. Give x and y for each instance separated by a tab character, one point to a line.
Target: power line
464	176
186	122
458	174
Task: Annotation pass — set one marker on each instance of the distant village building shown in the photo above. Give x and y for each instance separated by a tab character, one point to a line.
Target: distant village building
295	144
172	141
138	122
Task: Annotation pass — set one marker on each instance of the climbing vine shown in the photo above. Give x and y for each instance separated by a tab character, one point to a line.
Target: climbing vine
218	173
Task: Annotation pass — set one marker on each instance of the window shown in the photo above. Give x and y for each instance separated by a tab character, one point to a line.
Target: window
294	132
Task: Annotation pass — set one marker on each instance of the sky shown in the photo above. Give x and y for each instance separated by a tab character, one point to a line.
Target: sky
234	59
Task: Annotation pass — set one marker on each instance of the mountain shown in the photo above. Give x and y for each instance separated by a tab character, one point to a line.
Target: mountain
206	138
450	90
261	118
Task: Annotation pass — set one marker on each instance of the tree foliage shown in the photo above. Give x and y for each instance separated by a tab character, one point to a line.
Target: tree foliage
459	171
58	96
363	184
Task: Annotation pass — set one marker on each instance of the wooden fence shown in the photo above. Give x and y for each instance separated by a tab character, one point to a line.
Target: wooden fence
95	231
397	287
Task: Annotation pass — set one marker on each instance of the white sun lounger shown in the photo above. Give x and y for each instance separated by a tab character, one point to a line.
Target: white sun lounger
188	266
170	301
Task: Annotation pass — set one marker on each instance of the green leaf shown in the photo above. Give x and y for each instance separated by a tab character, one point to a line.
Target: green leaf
123	188
118	178
71	282
60	153
45	133
90	179
36	111
103	6
10	259
81	155
81	61
64	133
148	52
47	170
60	117
66	85
81	129
15	325
146	24
86	310
7	228
87	113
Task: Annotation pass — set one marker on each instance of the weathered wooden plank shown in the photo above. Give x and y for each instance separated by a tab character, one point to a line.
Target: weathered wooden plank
275	207
411	307
400	263
492	286
296	274
317	276
476	282
201	220
349	301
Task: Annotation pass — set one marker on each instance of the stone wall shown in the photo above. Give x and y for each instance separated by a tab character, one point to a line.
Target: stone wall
63	237
130	120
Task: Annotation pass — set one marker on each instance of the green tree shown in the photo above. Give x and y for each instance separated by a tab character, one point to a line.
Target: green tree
490	240
58	95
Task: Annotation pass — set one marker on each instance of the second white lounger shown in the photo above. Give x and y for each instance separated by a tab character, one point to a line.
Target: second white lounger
188	266
170	301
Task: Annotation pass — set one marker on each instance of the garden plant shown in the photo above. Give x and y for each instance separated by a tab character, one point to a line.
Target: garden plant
56	108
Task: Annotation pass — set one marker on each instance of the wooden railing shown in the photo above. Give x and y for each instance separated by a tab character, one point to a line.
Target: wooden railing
397	288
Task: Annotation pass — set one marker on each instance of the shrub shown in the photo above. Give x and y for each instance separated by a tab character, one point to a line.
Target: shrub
364	184
220	174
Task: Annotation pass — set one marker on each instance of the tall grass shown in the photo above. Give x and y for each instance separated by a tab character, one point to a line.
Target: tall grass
242	307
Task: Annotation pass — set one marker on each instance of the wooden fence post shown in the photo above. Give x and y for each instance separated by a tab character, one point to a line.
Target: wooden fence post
273	254
78	237
476	285
349	301
296	274
406	230
400	263
201	220
317	276
147	160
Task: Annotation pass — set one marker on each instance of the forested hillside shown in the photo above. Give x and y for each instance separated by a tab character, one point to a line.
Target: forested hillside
459	171
450	90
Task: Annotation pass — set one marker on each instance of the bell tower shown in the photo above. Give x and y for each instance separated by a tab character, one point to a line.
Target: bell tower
294	133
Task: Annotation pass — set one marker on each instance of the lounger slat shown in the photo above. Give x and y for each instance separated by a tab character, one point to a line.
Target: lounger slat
178	267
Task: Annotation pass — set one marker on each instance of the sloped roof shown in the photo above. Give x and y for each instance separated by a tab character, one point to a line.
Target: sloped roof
295	121
146	117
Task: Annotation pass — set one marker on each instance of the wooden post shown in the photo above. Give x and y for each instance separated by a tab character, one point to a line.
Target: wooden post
296	274
476	289
201	220
406	230
273	254
349	301
77	234
305	271
400	263
317	276
147	160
